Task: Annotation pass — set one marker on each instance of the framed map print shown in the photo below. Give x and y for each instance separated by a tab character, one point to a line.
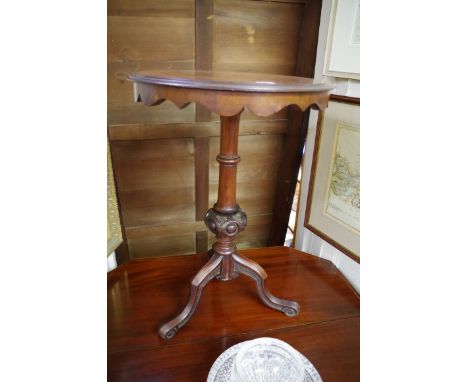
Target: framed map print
333	202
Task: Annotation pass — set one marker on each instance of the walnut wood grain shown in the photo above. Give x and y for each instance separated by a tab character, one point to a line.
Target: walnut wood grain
143	292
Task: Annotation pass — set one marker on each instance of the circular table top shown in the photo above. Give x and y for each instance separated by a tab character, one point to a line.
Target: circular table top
230	81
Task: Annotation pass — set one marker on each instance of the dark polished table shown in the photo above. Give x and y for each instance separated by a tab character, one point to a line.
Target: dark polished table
143	293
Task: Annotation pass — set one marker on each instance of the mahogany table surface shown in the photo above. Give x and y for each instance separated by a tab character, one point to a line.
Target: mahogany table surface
144	293
230	81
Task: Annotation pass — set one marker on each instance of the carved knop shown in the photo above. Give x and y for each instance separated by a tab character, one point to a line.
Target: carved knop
225	224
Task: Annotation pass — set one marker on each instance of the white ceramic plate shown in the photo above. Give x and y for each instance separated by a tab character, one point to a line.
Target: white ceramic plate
222	368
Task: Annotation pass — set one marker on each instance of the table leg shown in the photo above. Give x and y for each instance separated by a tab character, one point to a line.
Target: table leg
210	270
252	269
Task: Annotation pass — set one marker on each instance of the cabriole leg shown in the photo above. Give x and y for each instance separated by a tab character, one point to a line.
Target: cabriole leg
256	272
210	270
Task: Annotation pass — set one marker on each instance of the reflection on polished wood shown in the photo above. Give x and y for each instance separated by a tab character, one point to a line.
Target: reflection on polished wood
227	94
230	81
145	292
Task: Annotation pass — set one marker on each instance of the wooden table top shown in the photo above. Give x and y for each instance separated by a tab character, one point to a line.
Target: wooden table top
228	93
230	81
145	293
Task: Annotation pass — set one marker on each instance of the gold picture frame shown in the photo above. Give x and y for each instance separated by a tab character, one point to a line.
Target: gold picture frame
333	200
114	232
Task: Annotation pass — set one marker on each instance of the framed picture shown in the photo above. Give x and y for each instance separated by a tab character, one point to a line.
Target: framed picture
342	56
333	201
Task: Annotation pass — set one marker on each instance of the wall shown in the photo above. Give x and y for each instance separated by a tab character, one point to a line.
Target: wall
306	240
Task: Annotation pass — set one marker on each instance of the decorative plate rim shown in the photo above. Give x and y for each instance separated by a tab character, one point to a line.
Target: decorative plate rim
228	353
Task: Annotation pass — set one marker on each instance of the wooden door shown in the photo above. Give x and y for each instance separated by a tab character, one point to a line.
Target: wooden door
164	157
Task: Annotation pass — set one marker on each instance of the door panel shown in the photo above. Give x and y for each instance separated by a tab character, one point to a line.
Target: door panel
156	180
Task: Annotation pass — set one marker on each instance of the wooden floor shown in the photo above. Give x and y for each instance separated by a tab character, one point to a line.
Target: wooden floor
145	293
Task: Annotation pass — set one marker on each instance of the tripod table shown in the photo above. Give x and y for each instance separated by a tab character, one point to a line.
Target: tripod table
227	94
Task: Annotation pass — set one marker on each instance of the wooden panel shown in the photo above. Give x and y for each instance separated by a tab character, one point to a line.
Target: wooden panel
147	35
125	132
156	181
256	175
255	235
204	46
256	36
135	233
201	238
169	244
201	177
162	39
258	171
145	8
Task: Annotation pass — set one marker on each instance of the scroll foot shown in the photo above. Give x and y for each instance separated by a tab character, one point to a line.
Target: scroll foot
209	271
256	272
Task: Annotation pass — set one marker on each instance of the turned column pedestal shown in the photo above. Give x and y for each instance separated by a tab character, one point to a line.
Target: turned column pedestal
227	94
